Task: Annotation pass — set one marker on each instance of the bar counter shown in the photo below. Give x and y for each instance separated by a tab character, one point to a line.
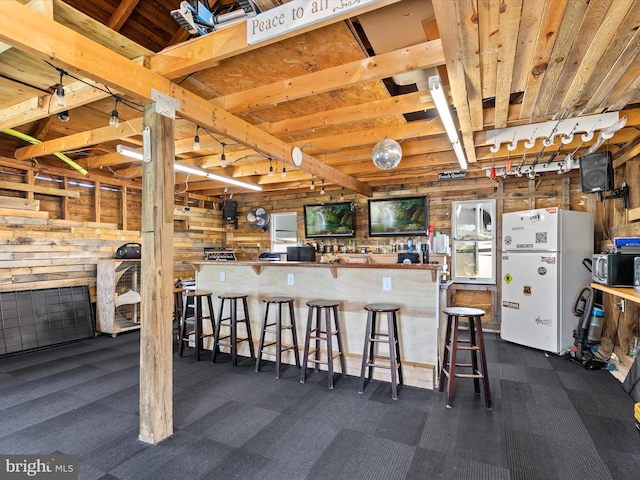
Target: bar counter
413	287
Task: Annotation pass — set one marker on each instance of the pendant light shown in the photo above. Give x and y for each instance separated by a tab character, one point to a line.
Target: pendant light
114	121
196	139
60	100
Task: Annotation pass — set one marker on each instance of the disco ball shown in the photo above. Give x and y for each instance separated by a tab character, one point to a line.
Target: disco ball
387	154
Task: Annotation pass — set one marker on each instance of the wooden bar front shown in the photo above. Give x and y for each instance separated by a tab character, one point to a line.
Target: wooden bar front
412	287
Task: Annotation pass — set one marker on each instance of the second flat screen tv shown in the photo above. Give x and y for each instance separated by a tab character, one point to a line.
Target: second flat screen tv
398	216
329	220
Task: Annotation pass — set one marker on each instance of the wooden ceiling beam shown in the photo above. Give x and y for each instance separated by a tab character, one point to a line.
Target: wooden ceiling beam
451	44
547	34
43	7
417	57
467	14
55	41
207	51
81	140
595	36
571	21
507	43
121	14
620	55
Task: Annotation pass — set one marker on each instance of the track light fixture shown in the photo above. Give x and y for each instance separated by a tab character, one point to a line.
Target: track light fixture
196	139
114	121
270	168
223	157
60	100
63	116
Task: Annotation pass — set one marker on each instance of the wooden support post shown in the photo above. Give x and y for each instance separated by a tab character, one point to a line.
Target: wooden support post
156	351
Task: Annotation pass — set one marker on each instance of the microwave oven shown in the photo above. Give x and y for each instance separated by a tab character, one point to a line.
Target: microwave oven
612	269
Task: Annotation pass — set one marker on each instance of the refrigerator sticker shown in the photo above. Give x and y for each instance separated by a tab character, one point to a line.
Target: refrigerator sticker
514	305
548	260
547	321
541	237
508	278
542	271
535	217
526	290
507	240
524	245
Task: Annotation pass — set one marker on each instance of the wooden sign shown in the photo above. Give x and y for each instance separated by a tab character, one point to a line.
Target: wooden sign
295	15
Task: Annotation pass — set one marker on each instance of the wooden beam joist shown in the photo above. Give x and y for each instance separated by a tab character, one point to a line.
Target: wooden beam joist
58	43
81	140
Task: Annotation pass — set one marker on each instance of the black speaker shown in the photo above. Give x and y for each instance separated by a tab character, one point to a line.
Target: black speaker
596	172
229	210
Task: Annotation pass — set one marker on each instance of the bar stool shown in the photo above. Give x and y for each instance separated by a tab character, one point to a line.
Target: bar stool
267	328
177	310
390	338
318	334
195	297
231	322
475	343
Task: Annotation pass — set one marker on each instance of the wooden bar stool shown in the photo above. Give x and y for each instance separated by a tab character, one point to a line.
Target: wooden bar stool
390	338
474	344
194	297
231	340
276	328
177	311
318	334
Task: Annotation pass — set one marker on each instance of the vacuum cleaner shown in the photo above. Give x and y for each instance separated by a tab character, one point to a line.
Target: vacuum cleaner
588	331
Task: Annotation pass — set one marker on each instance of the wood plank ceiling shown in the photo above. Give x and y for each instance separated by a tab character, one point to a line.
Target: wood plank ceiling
333	90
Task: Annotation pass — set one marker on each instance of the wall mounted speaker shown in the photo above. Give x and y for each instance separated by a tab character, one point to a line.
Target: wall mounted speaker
596	172
229	210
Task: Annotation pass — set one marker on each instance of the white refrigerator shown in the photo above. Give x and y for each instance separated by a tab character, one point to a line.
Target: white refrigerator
542	271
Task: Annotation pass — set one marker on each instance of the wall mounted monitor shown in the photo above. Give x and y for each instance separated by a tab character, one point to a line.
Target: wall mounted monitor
329	220
398	216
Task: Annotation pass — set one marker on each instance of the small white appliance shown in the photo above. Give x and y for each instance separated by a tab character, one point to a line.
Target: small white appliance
542	271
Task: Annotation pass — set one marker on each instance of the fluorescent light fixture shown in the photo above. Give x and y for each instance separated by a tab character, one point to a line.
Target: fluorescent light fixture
181	167
440	100
129	152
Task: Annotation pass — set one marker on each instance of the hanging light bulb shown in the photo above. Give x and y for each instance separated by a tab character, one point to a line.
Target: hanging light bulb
322	188
284	171
223	158
313	185
114	121
60	100
196	139
270	168
341	195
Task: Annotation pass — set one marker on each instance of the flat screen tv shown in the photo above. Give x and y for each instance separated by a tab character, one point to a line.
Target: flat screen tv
329	220
398	216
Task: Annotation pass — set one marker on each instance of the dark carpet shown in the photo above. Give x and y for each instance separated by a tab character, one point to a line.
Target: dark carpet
551	419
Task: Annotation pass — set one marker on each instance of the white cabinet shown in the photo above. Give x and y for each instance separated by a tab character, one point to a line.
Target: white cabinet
118	296
473	242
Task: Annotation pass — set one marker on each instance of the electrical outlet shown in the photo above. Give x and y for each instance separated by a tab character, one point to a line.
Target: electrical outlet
386	283
290	279
223	276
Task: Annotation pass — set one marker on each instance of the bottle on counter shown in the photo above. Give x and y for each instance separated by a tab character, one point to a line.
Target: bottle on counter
322	248
410	245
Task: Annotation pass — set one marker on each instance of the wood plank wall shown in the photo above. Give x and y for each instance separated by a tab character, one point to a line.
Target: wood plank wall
51	240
